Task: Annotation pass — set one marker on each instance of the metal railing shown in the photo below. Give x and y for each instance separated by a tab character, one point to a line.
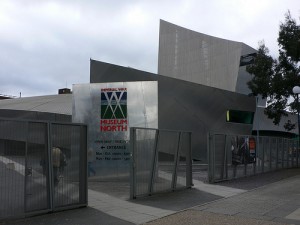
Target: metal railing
230	156
161	161
29	181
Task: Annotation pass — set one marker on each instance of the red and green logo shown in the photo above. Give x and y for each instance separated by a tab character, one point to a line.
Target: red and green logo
113	109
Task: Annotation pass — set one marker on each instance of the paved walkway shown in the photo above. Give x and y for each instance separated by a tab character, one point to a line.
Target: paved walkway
270	202
276	203
140	211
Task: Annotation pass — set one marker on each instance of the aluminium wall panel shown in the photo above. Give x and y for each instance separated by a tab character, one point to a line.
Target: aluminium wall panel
110	109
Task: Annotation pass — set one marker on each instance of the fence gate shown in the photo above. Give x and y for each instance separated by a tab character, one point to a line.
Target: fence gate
27	173
161	161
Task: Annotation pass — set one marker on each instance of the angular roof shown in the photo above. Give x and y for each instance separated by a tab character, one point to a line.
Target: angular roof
59	104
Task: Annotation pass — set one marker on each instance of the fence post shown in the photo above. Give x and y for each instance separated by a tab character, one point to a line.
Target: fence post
83	162
297	152
282	153
189	169
174	178
292	155
132	170
263	156
50	172
245	162
225	168
209	158
288	157
154	162
276	154
270	154
26	165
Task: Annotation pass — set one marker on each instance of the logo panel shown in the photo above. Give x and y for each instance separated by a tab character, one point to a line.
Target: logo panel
113	109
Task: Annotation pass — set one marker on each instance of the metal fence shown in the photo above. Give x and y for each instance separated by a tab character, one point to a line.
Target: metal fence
161	161
30	183
236	156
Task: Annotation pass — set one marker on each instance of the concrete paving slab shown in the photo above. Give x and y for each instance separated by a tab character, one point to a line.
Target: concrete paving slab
255	216
125	210
282	211
193	217
217	189
177	201
294	215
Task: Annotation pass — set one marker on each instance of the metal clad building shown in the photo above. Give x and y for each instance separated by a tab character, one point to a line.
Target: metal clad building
202	59
184	105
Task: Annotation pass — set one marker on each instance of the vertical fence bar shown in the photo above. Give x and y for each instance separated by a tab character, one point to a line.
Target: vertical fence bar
50	172
287	155
256	155
254	164
263	156
83	162
26	168
189	164
154	163
245	162
260	155
270	154
174	178
276	167
297	152
133	172
225	167
283	153
292	153
213	156
209	160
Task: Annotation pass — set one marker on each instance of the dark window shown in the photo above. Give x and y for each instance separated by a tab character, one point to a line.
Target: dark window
236	116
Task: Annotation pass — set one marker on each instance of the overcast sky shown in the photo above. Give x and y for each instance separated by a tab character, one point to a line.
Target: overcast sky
46	45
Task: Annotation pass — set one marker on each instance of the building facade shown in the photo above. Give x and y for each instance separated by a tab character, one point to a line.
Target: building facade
199	58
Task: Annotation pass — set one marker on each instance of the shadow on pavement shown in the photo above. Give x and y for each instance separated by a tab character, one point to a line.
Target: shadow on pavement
79	216
178	200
